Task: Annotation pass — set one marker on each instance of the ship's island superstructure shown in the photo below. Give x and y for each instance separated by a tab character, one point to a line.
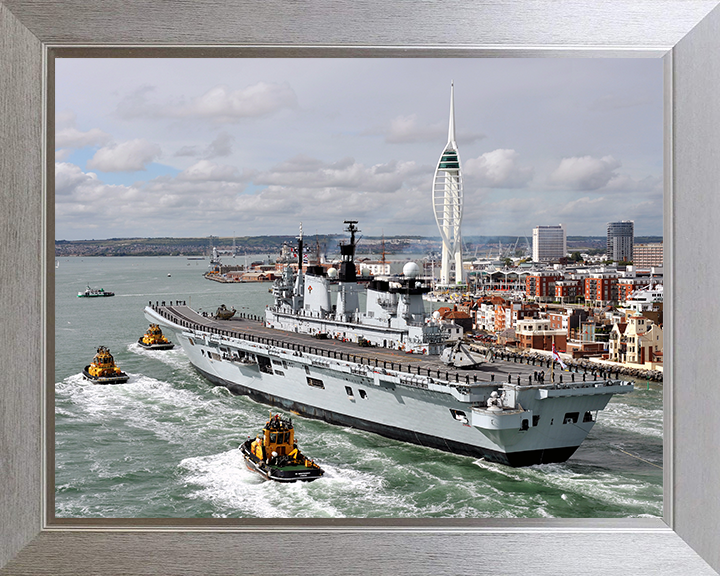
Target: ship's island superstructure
384	370
394	314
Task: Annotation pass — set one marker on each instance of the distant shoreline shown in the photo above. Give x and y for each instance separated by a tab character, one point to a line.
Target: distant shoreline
272	245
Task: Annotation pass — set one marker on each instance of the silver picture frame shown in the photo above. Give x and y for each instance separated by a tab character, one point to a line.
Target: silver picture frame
685	33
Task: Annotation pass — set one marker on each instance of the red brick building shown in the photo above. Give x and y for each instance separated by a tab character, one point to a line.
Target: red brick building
541	285
538	335
568	290
627	286
601	288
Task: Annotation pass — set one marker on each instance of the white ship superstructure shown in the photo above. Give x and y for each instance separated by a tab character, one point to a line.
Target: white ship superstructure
311	357
394	315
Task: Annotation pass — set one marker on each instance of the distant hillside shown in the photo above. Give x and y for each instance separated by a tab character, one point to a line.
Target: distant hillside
271	245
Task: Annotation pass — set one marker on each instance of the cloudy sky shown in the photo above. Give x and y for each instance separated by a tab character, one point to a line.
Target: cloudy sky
199	147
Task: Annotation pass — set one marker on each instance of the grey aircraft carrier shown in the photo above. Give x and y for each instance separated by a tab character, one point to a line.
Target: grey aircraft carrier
389	369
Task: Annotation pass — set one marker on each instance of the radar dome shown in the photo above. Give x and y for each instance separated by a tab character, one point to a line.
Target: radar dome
411	270
436	315
332	272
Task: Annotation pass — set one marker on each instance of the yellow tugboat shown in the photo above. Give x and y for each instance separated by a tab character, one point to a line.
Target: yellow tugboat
154	339
275	455
103	369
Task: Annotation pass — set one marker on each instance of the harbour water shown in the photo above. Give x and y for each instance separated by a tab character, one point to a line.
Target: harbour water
165	443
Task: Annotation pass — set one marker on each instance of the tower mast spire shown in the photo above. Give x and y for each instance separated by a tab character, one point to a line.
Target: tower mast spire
447	195
451	128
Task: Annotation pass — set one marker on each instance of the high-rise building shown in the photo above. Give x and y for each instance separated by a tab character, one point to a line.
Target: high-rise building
447	197
549	243
647	255
620	239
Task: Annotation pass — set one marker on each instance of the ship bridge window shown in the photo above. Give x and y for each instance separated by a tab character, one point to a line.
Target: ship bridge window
571	418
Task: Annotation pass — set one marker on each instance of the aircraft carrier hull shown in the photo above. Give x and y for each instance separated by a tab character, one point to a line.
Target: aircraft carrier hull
407	398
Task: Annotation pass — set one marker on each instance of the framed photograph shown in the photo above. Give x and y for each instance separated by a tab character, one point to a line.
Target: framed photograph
36	541
262	146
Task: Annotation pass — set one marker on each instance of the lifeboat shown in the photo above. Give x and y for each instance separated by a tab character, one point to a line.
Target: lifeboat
154	339
103	369
274	454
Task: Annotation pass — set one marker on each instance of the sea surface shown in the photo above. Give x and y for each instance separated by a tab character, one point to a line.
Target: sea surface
164	445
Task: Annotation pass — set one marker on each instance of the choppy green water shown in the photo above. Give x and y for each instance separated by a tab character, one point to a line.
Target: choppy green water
165	443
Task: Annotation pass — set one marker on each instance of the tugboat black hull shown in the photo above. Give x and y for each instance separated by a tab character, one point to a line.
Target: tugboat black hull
293	473
163	346
119	379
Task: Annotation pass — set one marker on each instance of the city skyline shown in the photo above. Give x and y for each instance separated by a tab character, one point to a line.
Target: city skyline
193	147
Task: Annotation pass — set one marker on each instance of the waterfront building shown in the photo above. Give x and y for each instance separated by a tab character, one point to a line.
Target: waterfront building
626	286
601	288
485	317
568	320
568	290
540	285
447	198
375	267
647	255
537	334
620	239
643	300
637	341
549	243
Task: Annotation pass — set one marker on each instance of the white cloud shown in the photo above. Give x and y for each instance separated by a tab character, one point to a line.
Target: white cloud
67	134
130	156
206	171
407	129
497	169
221	146
82	201
582	207
64	119
220	103
74	138
62	154
188	151
302	172
584	172
624	183
257	100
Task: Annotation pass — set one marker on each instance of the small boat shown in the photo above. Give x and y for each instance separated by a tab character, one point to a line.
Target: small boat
95	293
154	339
275	456
223	313
103	369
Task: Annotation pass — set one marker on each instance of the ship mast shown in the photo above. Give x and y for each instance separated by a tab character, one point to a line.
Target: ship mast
299	289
